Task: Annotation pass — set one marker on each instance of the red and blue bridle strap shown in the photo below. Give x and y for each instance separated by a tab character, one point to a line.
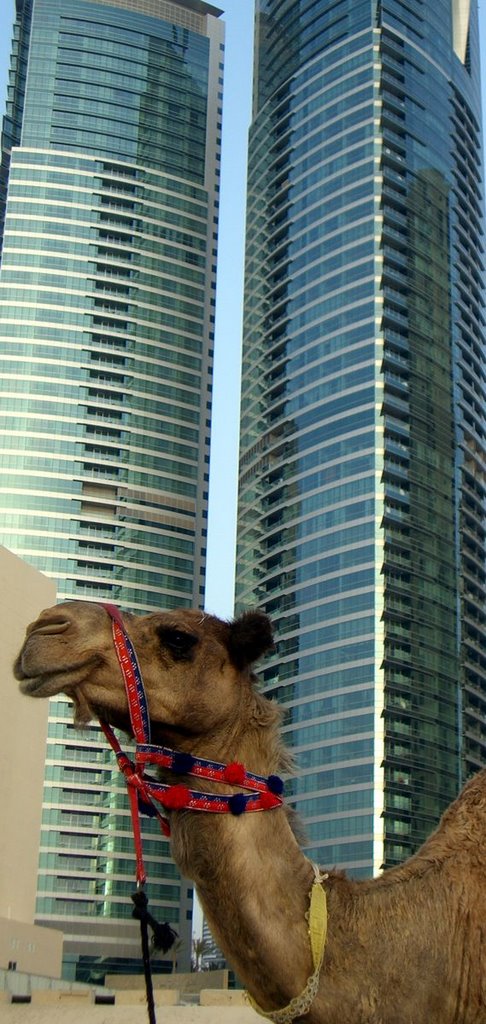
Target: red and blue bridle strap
140	721
130	669
144	791
178	797
134	778
202	768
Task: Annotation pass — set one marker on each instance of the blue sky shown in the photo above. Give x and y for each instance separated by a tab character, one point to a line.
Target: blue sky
236	118
226	400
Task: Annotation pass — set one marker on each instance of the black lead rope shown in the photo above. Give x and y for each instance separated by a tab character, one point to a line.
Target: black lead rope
141	914
163	937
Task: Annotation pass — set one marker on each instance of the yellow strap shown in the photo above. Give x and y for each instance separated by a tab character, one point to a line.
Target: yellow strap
317	917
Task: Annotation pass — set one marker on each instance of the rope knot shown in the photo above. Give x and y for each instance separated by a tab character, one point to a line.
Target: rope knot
163	936
140	901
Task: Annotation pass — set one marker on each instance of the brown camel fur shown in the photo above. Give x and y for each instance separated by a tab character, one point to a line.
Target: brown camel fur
405	948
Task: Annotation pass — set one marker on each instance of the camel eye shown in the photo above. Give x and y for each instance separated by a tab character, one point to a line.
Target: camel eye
179	644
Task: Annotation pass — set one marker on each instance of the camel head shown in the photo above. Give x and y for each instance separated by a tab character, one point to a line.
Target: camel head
196	668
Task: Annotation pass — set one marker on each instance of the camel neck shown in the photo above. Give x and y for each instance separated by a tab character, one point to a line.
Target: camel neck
253	882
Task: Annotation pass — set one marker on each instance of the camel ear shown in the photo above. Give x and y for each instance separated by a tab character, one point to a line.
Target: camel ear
250	636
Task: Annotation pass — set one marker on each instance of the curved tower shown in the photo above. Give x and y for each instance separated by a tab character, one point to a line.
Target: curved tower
361	525
110	180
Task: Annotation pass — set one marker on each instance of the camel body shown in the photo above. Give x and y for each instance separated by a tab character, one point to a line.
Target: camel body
405	948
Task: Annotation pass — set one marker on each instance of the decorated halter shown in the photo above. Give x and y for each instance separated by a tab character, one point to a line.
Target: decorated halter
144	791
263	794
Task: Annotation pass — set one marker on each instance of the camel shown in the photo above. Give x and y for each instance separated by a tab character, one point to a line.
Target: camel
408	947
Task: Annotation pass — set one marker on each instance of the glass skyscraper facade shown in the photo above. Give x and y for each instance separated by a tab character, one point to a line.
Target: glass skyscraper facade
110	183
361	523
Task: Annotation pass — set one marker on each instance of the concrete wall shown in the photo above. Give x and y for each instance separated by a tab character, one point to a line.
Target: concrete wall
24	592
192	982
76	1010
32	949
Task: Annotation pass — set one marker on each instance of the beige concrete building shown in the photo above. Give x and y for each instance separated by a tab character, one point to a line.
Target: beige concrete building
26	947
23	729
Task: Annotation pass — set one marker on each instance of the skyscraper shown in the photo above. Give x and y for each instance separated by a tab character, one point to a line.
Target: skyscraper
361	524
110	182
